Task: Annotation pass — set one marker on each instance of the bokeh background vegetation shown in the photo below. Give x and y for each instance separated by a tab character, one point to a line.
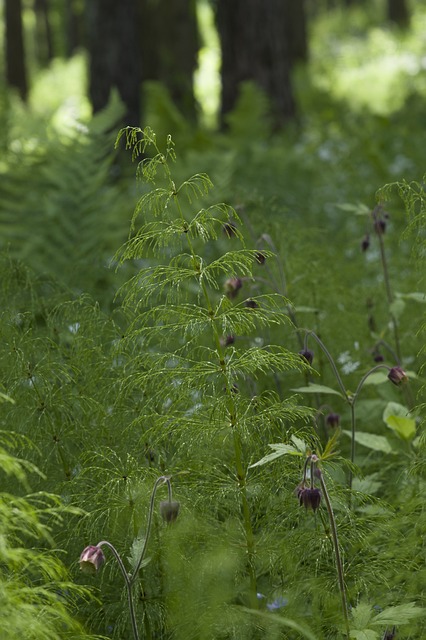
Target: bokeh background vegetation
83	439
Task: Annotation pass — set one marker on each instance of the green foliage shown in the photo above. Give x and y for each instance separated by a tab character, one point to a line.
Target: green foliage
59	206
38	599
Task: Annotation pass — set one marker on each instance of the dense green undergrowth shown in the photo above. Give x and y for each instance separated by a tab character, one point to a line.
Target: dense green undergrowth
176	359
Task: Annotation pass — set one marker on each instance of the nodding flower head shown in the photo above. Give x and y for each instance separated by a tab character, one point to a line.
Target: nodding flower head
309	497
377	356
250	304
379	216
225	341
397	375
365	242
332	420
229	229
91	559
260	257
169	510
307	355
232	286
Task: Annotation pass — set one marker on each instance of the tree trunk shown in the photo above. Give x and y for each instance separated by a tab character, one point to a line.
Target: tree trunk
169	48
74	27
15	53
44	44
296	31
255	46
398	13
114	55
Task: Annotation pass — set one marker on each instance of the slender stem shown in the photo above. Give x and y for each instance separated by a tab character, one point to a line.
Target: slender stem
330	359
339	564
389	295
159	481
128	581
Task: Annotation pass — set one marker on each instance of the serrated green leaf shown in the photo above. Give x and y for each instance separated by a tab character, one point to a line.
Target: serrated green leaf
361	615
318	388
400	614
371	441
280	450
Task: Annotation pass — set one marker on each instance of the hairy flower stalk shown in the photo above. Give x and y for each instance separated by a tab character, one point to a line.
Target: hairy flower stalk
311	498
92	557
395	374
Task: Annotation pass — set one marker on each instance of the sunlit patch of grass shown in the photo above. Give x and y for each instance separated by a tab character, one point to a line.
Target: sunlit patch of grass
372	69
61	89
207	75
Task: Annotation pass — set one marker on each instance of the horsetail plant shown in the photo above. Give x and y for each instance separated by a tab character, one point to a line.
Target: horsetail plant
203	303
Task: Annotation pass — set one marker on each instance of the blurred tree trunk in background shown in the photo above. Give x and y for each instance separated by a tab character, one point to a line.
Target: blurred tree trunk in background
16	75
114	54
398	12
44	45
297	31
260	40
74	26
169	48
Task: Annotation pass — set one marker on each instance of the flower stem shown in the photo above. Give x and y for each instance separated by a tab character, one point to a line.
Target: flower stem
129	584
339	564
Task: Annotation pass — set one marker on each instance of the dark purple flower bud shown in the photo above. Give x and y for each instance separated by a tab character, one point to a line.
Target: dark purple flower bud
307	355
397	375
380	227
251	304
365	242
309	498
91	559
378	357
169	510
232	286
227	340
332	420
260	257
229	229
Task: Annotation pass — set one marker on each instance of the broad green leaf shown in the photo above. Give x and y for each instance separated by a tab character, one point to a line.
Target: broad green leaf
405	428
418	296
397	418
378	377
401	614
359	209
397	308
365	634
395	409
371	441
280	450
318	388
